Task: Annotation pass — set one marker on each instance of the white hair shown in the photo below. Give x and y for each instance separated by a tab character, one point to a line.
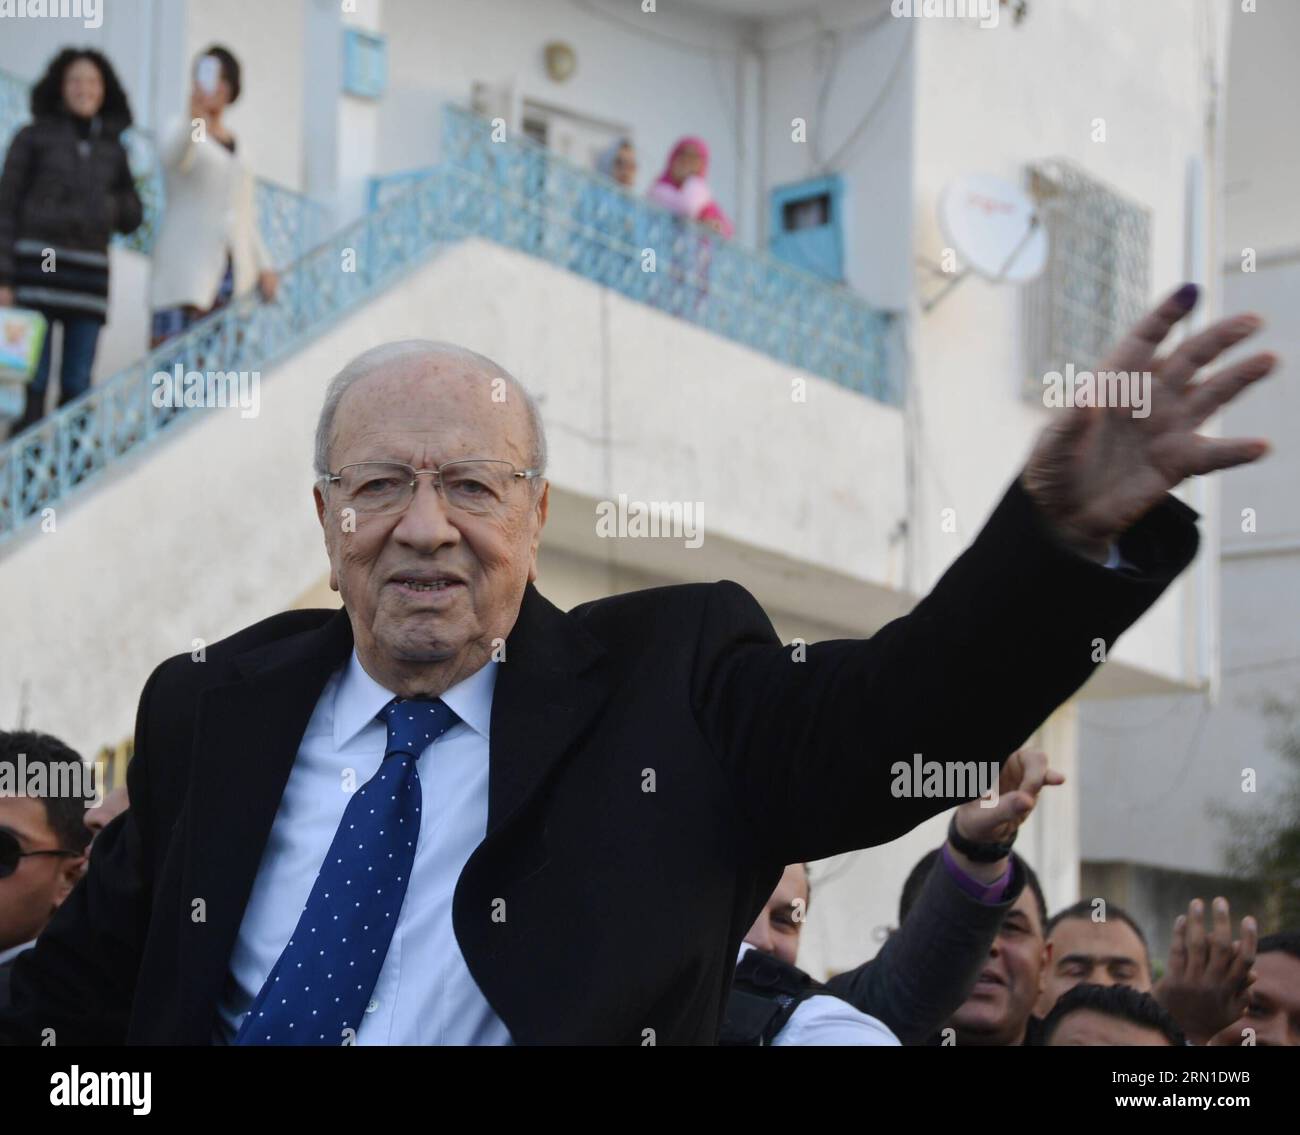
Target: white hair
374	359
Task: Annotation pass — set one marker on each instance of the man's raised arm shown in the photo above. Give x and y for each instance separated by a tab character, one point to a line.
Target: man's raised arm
812	739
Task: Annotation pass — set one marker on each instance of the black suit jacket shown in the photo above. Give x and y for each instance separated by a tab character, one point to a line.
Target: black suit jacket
6	970
624	907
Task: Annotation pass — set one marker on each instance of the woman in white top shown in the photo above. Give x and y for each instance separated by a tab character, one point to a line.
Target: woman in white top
208	247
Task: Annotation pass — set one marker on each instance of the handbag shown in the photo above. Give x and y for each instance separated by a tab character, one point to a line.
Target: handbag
22	335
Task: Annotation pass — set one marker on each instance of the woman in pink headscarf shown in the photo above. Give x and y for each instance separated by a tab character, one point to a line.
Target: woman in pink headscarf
683	190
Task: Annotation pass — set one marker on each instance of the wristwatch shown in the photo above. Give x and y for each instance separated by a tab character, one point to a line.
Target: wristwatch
979	852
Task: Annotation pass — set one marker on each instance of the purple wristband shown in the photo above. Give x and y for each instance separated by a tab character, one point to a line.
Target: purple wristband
981	892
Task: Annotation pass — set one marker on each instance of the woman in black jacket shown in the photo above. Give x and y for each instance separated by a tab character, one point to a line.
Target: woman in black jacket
66	188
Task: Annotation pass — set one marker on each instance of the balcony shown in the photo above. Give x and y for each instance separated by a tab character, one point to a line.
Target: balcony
533	200
513	194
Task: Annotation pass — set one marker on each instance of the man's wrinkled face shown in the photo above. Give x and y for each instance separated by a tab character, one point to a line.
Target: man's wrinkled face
29	897
999	1007
1273	1014
430	589
1099	953
777	928
1090	1029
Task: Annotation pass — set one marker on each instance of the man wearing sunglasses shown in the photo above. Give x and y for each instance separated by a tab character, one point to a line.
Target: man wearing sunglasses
42	846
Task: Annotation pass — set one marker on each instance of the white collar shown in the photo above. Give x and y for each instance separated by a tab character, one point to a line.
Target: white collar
13	951
359	698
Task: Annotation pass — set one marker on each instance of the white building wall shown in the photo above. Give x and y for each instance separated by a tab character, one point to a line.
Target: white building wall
1177	758
1181	757
664	75
865	61
358	126
267	39
991	101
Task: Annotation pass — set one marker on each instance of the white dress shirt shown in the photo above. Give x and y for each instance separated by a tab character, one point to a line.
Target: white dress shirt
826	1020
425	993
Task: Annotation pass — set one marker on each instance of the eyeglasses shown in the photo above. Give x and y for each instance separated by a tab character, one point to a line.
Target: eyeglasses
12	854
478	486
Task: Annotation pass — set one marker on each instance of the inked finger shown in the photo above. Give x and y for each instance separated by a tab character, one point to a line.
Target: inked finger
1136	351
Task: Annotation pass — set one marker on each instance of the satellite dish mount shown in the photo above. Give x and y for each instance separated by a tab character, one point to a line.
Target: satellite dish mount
995	229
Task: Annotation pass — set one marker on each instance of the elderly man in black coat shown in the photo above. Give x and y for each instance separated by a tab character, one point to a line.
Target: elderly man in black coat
452	813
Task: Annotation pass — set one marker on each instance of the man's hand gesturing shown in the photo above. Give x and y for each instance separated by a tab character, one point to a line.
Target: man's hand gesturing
1207	984
1096	470
1023	777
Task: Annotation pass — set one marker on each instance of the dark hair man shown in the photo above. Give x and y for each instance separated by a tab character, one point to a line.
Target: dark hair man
1272	1017
1094	943
42	841
999	1010
1108	1015
953	905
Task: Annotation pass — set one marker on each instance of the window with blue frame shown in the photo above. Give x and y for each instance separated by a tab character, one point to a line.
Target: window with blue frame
806	226
365	63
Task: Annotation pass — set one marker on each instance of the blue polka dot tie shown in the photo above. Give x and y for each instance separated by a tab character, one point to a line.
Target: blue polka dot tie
322	983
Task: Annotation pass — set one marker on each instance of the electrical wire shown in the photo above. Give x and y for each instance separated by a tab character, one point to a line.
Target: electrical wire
897	69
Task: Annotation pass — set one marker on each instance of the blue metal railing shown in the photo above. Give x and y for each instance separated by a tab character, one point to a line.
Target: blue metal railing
290	223
75	445
548	209
574	218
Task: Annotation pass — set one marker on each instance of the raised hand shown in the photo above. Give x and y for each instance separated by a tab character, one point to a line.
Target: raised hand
1207	983
1096	470
1023	777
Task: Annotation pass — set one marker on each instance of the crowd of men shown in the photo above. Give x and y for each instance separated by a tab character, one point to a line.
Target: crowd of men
976	959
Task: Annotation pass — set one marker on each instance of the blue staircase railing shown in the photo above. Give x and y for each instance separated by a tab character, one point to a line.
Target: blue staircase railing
290	222
477	192
574	218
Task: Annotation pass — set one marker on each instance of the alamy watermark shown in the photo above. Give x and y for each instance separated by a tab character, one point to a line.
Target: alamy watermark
986	11
57	780
89	12
946	780
212	389
681	520
75	1088
1130	389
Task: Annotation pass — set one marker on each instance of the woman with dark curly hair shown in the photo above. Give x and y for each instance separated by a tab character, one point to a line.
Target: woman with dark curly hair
66	188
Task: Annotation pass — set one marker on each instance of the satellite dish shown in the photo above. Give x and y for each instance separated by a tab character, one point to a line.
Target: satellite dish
994	227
